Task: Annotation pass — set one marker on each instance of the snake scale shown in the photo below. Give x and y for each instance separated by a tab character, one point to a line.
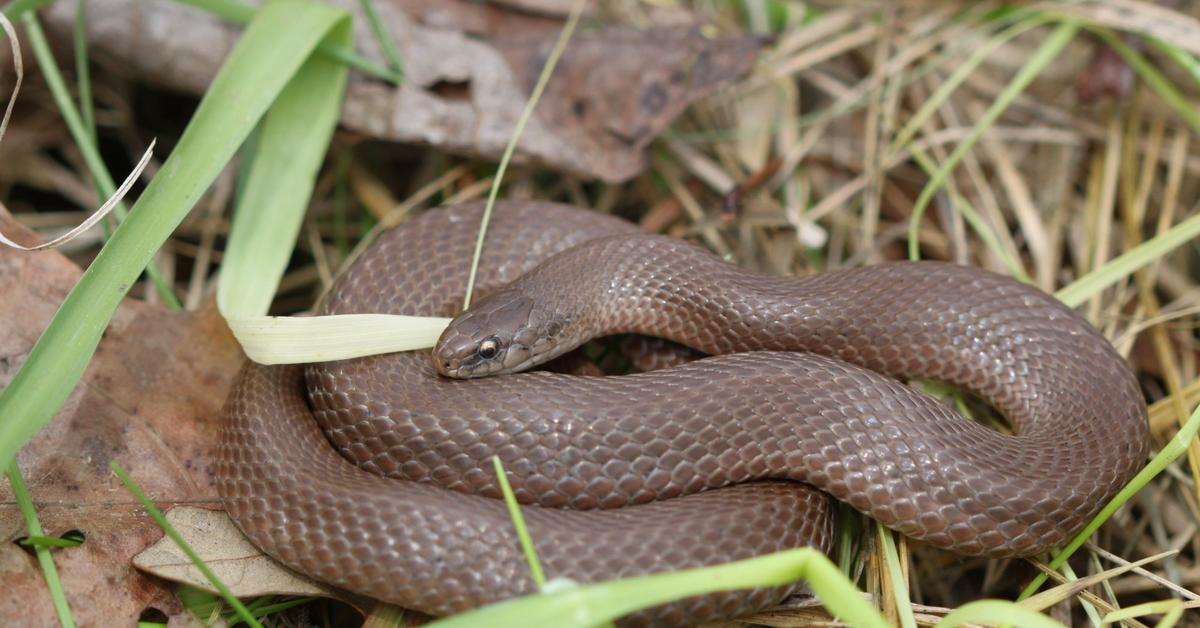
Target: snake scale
801	400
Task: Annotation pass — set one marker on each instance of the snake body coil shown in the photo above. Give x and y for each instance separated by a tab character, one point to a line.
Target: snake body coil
811	400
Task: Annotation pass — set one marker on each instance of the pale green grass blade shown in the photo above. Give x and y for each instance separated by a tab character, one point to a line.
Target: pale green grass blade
996	612
231	10
514	512
183	545
1171	610
960	74
975	221
84	140
1072	578
1155	79
51	541
261	244
83	73
551	60
290	148
266	57
261	609
1174	448
240	13
594	604
1047	52
1125	264
383	37
899	584
294	340
1181	57
15	9
25	504
1074	585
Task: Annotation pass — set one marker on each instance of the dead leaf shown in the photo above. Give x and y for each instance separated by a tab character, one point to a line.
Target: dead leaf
469	69
149	400
241	566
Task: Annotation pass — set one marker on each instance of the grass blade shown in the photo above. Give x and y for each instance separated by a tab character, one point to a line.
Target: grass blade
385	40
551	60
290	147
183	545
45	560
270	52
83	138
514	511
594	604
1047	52
83	74
992	612
899	583
1181	57
1155	79
1174	448
241	13
960	74
1125	264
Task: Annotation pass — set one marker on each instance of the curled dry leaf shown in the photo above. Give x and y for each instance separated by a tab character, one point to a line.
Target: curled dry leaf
241	566
150	400
469	69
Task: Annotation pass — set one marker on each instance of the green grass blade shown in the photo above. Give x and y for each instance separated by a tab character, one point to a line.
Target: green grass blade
899	585
1171	610
1047	52
268	55
52	541
551	60
240	13
1181	57
975	221
230	10
83	138
381	35
514	512
262	609
993	612
960	74
290	147
14	10
1125	264
1155	79
183	545
1174	448
25	504
594	604
83	74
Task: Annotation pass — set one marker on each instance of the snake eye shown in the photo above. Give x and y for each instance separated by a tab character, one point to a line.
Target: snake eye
489	347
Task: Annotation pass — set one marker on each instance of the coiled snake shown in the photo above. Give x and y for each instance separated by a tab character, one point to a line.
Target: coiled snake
800	395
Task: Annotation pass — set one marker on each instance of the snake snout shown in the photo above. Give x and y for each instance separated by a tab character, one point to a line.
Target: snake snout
450	351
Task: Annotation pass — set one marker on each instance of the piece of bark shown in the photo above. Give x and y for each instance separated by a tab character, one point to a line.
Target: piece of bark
150	399
469	69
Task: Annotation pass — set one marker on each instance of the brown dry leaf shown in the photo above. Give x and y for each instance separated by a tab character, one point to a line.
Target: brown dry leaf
469	68
241	566
150	400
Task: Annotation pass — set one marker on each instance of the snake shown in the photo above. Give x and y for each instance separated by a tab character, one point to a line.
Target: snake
375	474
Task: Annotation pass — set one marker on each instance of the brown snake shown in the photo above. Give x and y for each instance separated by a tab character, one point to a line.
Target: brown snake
812	400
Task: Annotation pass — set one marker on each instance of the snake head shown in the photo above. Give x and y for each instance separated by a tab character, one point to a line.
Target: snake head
504	333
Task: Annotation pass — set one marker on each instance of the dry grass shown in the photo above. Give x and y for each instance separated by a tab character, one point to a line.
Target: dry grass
797	170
